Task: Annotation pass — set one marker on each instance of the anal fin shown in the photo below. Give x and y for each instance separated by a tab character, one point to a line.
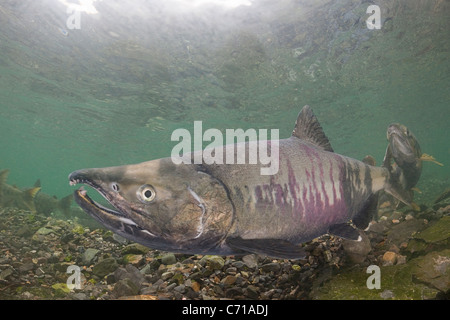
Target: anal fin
367	213
276	248
346	231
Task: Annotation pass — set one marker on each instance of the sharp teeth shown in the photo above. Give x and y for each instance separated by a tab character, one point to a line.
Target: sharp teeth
127	221
74	182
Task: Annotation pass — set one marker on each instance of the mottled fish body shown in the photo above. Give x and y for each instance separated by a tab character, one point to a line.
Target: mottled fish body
232	208
312	191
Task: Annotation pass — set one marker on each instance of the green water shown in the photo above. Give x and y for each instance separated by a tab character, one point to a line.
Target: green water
113	91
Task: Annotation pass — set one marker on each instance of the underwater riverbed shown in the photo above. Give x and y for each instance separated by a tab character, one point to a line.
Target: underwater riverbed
411	250
87	84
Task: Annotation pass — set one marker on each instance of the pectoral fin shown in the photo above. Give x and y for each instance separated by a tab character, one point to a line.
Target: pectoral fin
272	247
427	157
345	231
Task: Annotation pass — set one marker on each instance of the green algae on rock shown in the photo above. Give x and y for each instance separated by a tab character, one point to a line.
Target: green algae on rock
438	232
105	266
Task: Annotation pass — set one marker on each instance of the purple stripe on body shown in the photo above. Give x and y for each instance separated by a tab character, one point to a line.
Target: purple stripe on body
306	199
297	208
318	210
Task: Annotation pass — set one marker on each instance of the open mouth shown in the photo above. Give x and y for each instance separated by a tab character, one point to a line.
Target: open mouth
87	203
84	201
113	219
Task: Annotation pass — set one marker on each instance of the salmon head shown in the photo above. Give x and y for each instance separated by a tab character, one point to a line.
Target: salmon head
159	204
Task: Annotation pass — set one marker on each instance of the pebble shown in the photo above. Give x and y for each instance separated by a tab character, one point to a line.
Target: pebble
105	266
181	288
125	287
166	275
26	267
168	259
195	286
129	272
387	294
88	256
212	262
39	272
231	270
6	273
229	280
252	292
250	260
134	259
357	251
401	259
271	267
238	264
134	248
389	258
44	231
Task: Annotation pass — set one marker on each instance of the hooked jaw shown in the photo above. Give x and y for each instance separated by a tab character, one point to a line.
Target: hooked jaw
81	197
115	220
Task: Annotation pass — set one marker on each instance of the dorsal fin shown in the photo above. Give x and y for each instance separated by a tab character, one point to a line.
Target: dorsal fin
31	193
308	128
37	183
369	160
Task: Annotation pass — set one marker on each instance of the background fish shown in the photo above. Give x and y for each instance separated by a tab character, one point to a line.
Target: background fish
12	196
404	157
31	199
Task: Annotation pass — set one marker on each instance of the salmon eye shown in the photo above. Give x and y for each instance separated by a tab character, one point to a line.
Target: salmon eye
146	193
